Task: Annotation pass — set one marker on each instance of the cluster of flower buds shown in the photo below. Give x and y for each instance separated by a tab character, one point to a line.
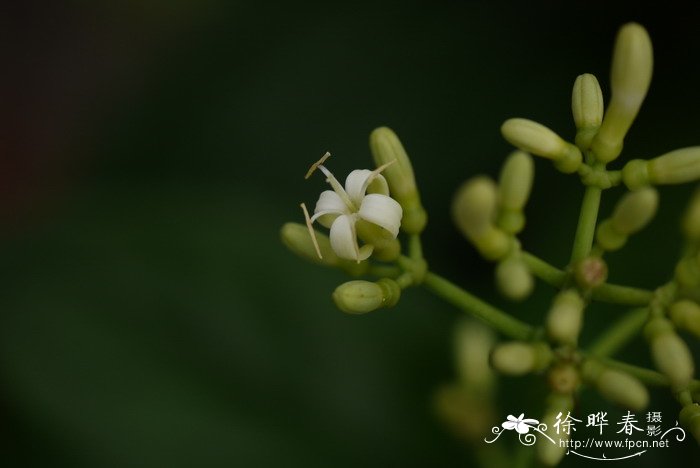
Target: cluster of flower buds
491	214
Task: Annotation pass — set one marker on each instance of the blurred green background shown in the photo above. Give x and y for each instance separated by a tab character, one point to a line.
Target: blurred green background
149	315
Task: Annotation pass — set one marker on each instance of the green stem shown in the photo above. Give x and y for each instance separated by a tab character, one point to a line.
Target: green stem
384	271
648	376
583	241
471	304
415	248
612	293
616	336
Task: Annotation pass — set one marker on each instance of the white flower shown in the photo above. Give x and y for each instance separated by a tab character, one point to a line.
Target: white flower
339	209
522	426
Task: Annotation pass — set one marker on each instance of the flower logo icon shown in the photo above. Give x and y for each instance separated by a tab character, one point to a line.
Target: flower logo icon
522	426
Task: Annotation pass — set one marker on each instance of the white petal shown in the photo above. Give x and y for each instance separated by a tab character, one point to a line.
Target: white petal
331	202
378	185
356	184
522	428
531	422
509	425
383	211
344	240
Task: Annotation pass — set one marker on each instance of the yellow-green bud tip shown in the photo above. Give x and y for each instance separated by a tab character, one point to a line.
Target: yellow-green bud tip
539	140
513	279
587	108
565	317
518	358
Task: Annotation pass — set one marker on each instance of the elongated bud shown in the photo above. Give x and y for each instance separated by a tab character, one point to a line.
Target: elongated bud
677	167
685	315
632	66
616	386
360	297
690	419
514	186
539	140
297	239
557	407
474	206
518	358
472	344
386	147
514	279
474	210
670	353
691	219
635	210
587	108
565	317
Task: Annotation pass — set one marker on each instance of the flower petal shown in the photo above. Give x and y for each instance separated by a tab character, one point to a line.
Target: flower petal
522	428
356	184
328	207
344	240
512	418
531	422
509	425
383	211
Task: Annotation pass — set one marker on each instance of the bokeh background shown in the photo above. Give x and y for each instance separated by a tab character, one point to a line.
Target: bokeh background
151	150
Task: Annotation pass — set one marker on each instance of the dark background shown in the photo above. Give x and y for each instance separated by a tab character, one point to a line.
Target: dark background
150	152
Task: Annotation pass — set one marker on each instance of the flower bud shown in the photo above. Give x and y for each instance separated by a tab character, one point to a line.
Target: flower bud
669	352
386	147
616	386
635	174
608	238
565	317
518	358
560	405
360	297
587	108
472	344
514	279
515	182
687	272
537	139
685	314
635	210
676	167
493	244
690	419
632	66
691	219
474	206
297	239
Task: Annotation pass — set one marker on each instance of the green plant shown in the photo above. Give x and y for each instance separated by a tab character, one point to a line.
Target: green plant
490	214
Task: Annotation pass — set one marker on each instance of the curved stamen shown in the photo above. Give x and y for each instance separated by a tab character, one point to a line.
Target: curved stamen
324	212
312	233
374	174
315	165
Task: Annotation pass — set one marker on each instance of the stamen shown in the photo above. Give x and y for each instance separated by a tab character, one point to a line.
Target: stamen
338	188
315	165
374	174
312	233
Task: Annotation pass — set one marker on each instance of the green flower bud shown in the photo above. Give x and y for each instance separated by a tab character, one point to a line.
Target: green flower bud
676	167
360	297
587	108
608	238
465	414
474	206
518	358
297	239
550	454
669	352
537	139
472	344
386	147
685	314
565	317
515	182
632	66
690	419
688	272
691	219
616	386
635	210
493	244
514	279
